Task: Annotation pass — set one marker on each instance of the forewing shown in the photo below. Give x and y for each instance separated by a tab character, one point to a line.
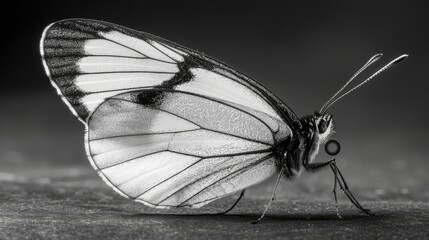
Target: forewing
89	61
171	148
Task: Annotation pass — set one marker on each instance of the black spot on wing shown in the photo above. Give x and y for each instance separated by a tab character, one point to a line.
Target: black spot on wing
154	98
151	99
183	76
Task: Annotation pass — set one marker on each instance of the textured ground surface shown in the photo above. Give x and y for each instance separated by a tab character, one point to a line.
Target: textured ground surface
72	203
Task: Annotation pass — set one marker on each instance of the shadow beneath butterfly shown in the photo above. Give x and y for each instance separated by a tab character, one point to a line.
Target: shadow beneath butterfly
252	217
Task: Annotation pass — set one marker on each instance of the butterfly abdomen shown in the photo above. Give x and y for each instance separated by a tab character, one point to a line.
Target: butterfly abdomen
287	157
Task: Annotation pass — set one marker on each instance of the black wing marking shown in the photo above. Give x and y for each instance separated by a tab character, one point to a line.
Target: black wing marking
89	61
87	65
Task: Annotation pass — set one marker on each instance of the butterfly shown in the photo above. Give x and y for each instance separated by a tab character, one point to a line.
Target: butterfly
168	126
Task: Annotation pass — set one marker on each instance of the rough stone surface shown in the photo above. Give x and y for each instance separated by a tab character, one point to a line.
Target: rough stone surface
72	203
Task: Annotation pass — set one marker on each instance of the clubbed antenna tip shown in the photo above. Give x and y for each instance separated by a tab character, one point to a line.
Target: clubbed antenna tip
332	100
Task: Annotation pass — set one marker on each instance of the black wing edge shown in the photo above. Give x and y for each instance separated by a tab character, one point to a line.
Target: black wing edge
61	46
89	28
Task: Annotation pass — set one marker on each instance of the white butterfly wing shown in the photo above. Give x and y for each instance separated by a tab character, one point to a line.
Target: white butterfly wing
170	148
89	61
209	132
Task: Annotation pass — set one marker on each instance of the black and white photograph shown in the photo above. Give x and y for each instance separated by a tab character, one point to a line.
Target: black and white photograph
214	120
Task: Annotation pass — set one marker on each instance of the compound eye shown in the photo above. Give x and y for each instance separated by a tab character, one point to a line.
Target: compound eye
323	125
332	147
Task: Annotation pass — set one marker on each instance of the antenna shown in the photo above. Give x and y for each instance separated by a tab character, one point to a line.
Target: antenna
390	64
372	60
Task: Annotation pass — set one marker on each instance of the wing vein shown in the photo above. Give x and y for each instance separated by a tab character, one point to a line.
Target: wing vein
162	52
208	129
98	55
143	53
225	177
116	90
125	46
130	159
201	178
140	134
175	174
225	155
193	182
216	131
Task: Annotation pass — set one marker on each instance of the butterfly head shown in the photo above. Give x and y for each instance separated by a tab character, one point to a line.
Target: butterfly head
318	128
324	126
320	125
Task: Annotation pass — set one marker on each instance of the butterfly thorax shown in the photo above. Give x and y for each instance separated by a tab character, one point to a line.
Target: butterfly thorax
303	148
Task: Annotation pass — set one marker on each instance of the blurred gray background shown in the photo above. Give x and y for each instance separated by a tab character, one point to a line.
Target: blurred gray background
301	51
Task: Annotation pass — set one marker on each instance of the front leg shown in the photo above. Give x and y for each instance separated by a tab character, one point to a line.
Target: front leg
345	188
314	167
338	178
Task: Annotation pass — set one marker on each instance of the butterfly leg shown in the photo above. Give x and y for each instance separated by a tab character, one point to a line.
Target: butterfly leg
339	178
235	203
273	197
313	167
345	188
334	191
